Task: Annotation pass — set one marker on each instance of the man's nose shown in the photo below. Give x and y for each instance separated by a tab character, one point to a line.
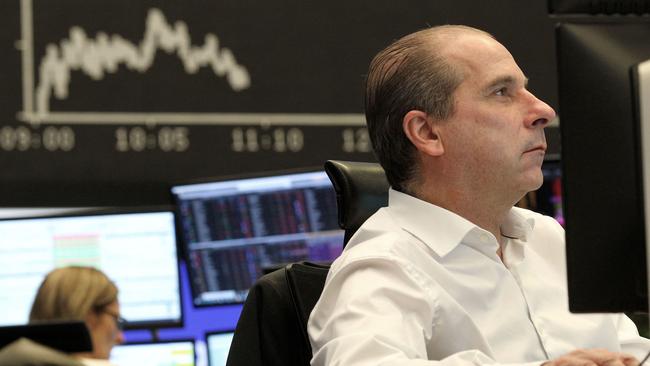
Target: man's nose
540	113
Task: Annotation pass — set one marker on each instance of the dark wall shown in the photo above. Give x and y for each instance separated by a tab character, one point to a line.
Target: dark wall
86	119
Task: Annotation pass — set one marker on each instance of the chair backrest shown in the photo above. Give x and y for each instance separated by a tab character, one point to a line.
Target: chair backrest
65	336
44	343
361	189
272	328
25	352
306	281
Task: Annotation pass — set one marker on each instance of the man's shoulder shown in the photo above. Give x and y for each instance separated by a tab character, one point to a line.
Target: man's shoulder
381	239
378	234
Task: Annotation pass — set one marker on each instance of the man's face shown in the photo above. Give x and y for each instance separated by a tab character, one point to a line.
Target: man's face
497	129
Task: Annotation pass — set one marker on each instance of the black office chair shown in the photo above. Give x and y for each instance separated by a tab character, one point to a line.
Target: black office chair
272	328
361	189
44	343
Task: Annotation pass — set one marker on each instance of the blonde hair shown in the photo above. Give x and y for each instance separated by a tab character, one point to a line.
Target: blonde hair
71	293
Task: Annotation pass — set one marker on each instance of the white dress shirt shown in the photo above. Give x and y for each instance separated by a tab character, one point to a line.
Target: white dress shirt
420	285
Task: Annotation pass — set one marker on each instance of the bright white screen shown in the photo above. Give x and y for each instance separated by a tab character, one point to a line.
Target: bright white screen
136	250
218	347
154	354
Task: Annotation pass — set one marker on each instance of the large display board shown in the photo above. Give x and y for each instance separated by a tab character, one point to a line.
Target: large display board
106	102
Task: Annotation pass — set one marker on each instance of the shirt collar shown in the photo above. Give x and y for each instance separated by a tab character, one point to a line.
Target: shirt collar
517	226
443	230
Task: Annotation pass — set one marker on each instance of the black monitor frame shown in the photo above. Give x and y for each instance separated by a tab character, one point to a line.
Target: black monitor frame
603	192
179	226
211	333
592	7
86	212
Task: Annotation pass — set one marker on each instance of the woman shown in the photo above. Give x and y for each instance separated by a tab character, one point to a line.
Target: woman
82	293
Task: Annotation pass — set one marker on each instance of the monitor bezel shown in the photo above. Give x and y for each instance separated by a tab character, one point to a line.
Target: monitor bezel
622	288
184	255
206	335
121	210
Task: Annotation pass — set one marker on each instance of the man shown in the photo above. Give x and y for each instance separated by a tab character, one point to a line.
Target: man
450	271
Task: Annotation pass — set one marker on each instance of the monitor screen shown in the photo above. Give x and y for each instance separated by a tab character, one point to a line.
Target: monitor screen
602	172
137	250
165	353
232	230
218	347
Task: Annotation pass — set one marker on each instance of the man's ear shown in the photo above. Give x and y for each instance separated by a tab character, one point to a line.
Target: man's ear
422	131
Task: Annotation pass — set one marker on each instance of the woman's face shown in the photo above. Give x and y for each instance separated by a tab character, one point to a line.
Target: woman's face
104	330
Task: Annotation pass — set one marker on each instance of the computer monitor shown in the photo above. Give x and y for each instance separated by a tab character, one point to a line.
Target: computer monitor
161	353
218	347
604	157
135	248
232	229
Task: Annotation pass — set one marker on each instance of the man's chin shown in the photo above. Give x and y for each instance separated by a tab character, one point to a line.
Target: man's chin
534	182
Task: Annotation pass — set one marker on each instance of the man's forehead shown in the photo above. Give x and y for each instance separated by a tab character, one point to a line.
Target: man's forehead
459	42
468	56
485	58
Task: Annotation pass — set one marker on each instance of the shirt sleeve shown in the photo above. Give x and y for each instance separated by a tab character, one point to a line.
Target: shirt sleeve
628	335
379	312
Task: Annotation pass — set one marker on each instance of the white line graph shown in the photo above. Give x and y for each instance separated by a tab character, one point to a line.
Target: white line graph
104	54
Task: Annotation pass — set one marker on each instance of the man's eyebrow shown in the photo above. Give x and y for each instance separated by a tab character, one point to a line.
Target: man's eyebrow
505	80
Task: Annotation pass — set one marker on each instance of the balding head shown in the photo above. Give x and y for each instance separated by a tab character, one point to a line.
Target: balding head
413	73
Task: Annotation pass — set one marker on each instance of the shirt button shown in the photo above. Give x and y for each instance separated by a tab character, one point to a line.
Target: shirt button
484	238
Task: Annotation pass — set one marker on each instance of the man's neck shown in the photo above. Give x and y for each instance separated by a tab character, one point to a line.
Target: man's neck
482	211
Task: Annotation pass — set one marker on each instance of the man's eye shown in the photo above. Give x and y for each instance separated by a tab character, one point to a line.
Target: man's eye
501	92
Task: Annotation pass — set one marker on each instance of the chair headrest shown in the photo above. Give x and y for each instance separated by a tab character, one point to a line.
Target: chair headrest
361	189
65	336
